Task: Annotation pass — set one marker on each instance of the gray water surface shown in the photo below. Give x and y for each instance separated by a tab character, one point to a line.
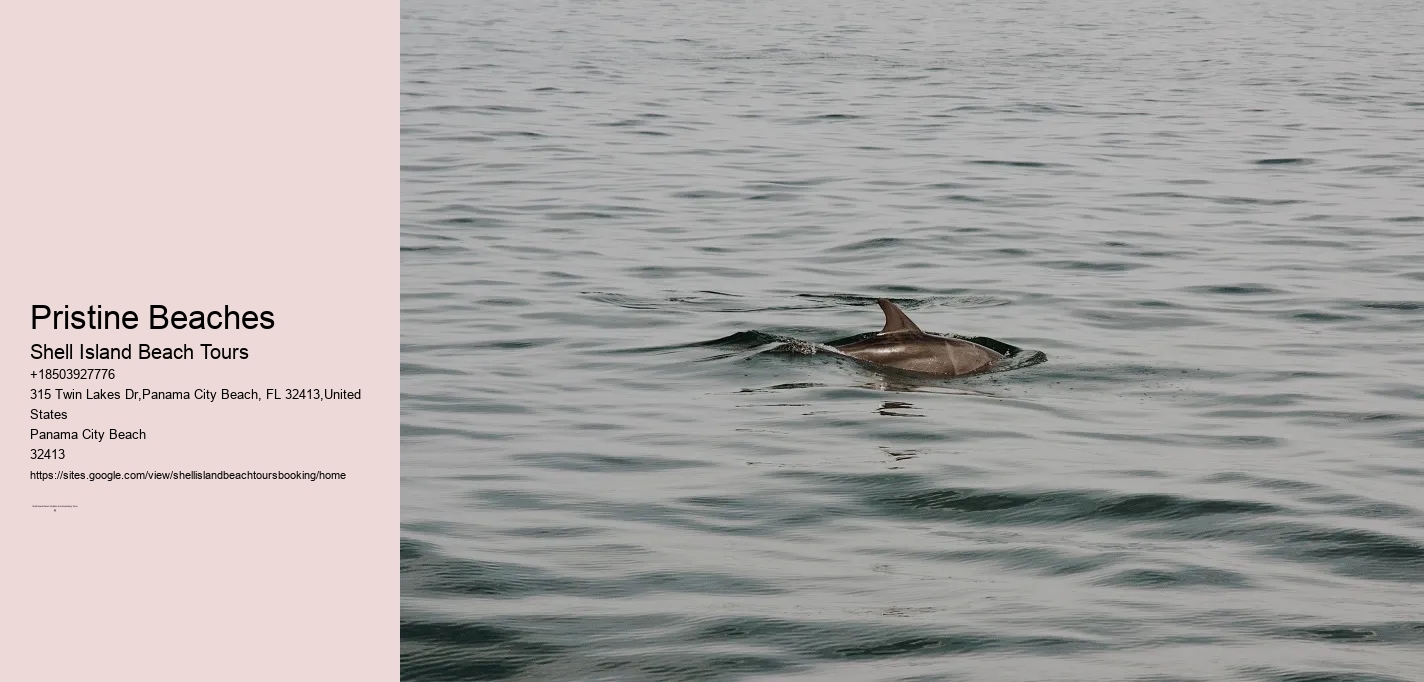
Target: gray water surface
1209	216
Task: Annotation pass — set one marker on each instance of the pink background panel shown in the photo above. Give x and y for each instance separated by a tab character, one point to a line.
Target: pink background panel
196	155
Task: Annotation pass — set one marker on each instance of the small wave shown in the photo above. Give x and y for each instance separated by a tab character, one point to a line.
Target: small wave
1017	164
1093	266
876	243
1235	289
1292	161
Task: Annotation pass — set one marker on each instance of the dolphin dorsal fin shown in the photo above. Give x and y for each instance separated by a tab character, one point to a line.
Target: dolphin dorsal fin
895	319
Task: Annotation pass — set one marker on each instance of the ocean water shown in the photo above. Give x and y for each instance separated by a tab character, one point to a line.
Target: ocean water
1208	215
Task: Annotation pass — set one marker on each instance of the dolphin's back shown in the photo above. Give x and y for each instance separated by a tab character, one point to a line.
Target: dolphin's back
917	351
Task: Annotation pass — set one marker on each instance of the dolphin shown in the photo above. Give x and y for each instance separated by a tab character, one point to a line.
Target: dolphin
902	345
